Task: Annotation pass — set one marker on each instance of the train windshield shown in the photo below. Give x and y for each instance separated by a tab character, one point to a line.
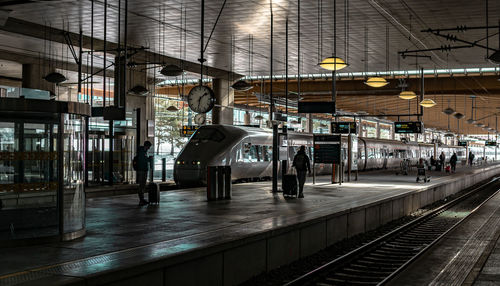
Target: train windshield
208	134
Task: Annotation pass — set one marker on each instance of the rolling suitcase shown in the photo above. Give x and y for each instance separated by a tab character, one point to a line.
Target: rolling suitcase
153	193
290	185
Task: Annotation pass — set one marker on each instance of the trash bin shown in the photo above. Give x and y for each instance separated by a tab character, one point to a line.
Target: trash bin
219	184
211	183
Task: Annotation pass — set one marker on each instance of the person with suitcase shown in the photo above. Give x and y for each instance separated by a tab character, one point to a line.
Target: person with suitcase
302	165
141	166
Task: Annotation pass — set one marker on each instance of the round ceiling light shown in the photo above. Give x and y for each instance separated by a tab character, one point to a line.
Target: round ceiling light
376	82
458	115
55	77
407	94
427	102
172	108
471	121
171	70
479	124
259	117
333	64
242	85
448	111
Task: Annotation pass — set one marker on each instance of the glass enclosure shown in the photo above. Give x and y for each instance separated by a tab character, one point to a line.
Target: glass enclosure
42	155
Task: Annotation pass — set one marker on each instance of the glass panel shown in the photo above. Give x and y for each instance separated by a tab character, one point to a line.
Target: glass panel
74	196
28	180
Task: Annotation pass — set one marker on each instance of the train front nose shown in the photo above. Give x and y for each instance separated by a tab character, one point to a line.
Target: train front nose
189	173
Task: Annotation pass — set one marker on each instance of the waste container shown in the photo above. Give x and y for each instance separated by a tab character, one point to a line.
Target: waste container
219	184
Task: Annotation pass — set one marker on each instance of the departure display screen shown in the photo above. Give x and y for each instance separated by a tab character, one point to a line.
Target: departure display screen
327	149
344	127
490	143
462	143
316	107
408	127
188	130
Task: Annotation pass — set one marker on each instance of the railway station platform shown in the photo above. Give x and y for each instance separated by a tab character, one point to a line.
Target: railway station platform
189	241
467	255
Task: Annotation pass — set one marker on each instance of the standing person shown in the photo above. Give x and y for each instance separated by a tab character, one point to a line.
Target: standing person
433	162
442	158
141	164
301	164
471	158
453	162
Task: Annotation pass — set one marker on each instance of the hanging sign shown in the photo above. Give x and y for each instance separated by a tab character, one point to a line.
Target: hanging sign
316	107
327	149
462	143
408	127
344	127
490	143
188	130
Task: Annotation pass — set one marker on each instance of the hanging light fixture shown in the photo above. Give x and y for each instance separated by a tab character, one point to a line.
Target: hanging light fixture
471	121
171	70
241	85
427	103
448	111
172	108
458	115
139	90
259	117
333	64
55	77
479	124
376	82
407	94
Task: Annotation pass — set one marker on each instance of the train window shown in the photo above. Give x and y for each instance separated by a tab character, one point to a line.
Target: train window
361	153
266	154
250	153
208	134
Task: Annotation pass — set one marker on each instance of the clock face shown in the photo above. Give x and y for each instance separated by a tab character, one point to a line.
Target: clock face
201	99
200	118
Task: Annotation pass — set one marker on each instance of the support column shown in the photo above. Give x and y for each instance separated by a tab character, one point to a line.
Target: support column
142	102
246	118
309	123
224	102
33	78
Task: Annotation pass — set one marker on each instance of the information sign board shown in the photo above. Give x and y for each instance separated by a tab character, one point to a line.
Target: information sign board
490	143
316	107
462	143
344	127
408	127
327	149
188	130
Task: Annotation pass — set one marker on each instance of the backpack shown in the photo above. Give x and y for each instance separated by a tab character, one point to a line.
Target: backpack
134	163
300	161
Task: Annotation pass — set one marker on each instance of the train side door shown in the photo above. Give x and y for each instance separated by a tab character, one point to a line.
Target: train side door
385	154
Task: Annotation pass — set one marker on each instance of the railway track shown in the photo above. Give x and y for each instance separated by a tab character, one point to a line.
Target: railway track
377	262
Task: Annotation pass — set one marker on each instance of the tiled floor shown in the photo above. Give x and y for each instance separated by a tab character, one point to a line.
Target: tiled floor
185	220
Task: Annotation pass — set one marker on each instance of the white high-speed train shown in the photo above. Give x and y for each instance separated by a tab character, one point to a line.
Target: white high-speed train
248	150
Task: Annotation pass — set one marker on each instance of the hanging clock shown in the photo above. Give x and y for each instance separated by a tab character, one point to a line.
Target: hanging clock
200	118
201	99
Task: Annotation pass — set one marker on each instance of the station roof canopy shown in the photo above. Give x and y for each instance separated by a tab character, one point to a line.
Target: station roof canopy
371	36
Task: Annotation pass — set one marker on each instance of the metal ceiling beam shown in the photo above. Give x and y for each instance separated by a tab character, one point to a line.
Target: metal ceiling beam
58	64
34	30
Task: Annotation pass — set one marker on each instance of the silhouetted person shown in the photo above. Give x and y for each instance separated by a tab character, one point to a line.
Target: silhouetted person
453	162
142	168
433	162
302	165
471	158
442	159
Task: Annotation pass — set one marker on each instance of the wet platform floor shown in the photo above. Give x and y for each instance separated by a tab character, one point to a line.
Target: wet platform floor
118	227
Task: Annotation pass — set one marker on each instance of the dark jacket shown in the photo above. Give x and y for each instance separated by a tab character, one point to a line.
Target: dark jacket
453	159
142	159
301	162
